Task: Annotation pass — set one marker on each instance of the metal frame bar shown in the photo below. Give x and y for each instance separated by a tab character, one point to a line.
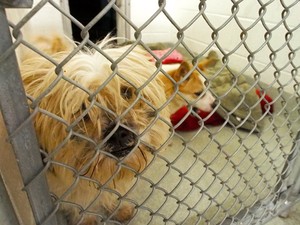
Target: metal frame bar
16	3
15	111
7	213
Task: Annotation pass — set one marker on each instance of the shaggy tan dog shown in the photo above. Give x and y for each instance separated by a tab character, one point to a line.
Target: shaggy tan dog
99	121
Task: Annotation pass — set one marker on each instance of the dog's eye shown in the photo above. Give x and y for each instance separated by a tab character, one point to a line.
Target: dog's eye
198	93
83	108
126	92
151	114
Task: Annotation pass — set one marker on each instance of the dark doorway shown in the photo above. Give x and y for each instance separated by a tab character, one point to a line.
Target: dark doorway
84	11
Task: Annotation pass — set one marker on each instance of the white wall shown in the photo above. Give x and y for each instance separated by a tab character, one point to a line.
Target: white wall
160	29
47	20
198	35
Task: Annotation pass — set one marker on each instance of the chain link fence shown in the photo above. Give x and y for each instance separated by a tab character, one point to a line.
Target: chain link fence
244	169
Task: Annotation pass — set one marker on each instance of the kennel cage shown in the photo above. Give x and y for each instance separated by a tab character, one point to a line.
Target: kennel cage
224	174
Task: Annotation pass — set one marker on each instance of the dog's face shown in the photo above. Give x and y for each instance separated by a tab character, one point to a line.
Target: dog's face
103	124
192	88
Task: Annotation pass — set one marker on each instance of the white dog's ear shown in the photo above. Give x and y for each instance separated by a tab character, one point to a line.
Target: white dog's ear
209	61
183	69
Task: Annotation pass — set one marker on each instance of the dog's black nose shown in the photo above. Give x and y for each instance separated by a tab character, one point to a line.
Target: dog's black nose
122	142
215	104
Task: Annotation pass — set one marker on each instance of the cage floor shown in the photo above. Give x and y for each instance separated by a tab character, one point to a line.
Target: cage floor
211	179
206	177
292	218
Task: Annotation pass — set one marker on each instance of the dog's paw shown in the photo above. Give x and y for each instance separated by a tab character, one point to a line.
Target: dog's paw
90	222
125	213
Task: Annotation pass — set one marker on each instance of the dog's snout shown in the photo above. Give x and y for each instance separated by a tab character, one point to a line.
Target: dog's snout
214	104
122	142
122	136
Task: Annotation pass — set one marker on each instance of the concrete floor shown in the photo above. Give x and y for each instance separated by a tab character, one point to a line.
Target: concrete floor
292	217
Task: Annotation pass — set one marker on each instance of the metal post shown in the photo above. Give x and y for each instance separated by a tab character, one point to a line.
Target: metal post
296	168
16	3
15	111
7	213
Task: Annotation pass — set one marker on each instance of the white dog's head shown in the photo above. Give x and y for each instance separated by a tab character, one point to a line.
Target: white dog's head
191	88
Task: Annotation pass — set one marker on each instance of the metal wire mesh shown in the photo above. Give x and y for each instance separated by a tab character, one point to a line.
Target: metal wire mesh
223	174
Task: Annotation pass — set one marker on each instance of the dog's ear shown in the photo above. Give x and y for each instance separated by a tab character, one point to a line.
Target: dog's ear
183	69
209	61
